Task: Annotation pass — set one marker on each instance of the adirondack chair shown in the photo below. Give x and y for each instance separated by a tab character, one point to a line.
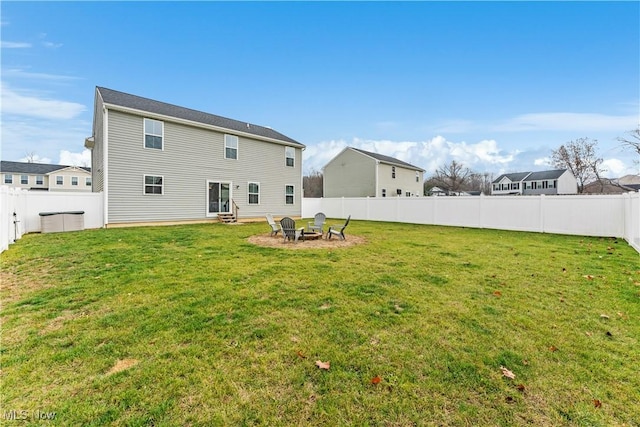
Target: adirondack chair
289	230
275	228
318	223
338	230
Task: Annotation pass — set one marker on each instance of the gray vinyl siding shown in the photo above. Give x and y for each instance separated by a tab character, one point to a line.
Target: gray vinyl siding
191	156
350	174
405	180
97	153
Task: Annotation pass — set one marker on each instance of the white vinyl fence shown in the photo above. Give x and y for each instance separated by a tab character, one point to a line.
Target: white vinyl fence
20	210
615	215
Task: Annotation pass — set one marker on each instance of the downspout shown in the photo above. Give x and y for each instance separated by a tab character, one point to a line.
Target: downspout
105	168
377	189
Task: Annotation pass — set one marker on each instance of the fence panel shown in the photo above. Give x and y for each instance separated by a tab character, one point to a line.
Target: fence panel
616	215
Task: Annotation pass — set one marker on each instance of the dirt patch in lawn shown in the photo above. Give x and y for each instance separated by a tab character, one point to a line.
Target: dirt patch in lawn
122	365
278	242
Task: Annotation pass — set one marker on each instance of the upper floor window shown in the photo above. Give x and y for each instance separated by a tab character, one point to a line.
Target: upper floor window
254	193
393	171
417	176
59	180
74	180
230	147
153	184
8	179
87	182
24	179
290	155
153	133
289	194
39	180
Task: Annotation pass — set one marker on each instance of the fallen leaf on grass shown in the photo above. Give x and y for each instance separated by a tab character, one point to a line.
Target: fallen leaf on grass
520	387
323	365
597	403
497	293
509	399
553	348
301	356
507	373
604	316
588	277
376	380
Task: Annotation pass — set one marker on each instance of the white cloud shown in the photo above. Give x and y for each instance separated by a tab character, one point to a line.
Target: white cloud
75	159
429	155
31	106
51	45
14	45
35	158
544	161
615	168
582	122
17	73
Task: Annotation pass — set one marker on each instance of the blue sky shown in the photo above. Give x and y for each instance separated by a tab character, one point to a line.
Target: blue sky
494	85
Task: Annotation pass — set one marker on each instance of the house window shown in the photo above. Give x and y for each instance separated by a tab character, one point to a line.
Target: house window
399	192
555	183
545	184
87	182
290	155
39	180
8	179
288	194
408	194
74	180
417	176
24	179
254	193
153	184
153	133
393	171
230	147
59	180
384	192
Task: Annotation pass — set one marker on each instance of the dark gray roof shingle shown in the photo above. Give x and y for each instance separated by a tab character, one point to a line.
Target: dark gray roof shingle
32	168
114	97
388	159
531	176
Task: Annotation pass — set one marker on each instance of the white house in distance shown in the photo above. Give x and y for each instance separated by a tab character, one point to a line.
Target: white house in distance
358	173
559	181
45	177
158	162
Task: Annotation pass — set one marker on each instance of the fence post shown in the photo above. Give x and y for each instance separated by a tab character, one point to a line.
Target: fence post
542	212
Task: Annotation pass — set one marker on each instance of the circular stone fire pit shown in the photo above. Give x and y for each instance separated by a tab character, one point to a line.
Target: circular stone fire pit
278	242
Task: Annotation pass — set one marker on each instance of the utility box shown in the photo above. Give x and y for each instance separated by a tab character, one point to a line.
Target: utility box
55	222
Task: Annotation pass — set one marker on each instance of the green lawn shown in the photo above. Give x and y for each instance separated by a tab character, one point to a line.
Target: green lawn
193	325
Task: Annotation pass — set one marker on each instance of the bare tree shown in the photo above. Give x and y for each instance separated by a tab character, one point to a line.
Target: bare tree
30	156
632	141
481	182
453	177
580	158
312	184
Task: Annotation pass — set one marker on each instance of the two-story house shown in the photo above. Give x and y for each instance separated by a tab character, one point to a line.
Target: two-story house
559	181
158	162
359	173
45	177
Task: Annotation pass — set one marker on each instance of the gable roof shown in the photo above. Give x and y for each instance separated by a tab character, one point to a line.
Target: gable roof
552	174
531	176
513	177
389	160
33	168
121	99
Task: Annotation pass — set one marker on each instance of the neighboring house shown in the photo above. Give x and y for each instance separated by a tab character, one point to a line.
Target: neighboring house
612	185
560	181
45	177
158	162
358	173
